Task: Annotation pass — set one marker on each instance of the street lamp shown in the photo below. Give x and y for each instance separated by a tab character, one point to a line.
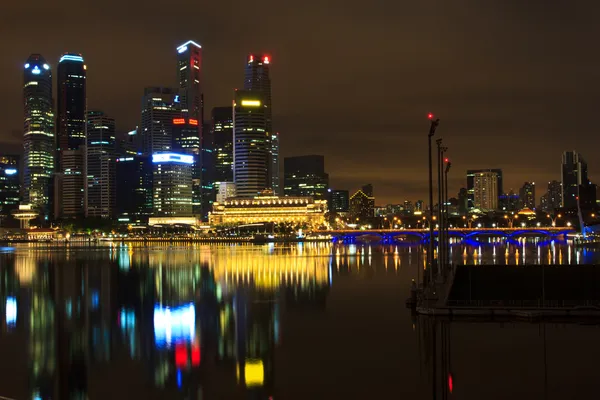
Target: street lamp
434	124
511	219
553	219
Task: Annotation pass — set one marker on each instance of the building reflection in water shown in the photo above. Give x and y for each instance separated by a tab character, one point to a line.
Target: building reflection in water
201	321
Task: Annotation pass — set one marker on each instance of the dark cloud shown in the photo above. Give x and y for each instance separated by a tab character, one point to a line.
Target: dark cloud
514	82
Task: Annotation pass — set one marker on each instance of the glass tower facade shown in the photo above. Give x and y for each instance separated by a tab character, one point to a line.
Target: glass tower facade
38	142
222	131
101	196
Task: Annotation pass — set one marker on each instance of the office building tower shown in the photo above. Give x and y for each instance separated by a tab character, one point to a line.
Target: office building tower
207	187
38	141
226	190
160	106
172	184
134	188
9	184
128	144
527	196
304	176
554	195
222	132
574	175
362	204
71	103
339	201
251	144
189	73
69	201
257	79
101	191
484	186
185	135
463	201
419	206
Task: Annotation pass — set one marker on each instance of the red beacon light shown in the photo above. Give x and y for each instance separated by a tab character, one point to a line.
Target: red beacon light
430	116
446	160
266	59
251	58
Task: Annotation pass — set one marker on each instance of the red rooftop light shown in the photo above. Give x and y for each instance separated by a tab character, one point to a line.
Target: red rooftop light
430	116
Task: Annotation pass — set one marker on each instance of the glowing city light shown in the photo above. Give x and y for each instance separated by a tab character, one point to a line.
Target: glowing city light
178	121
46	67
430	116
184	46
11	311
266	60
10	171
174	324
27	66
172	157
251	103
193	121
36	70
70	57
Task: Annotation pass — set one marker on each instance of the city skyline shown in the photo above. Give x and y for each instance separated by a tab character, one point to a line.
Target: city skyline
501	91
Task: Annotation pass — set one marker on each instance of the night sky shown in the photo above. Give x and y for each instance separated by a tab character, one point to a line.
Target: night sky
514	82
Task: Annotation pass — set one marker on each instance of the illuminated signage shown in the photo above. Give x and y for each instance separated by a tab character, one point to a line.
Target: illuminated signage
174	324
254	372
10	171
184	46
251	103
69	57
172	157
27	66
176	100
36	70
178	121
193	121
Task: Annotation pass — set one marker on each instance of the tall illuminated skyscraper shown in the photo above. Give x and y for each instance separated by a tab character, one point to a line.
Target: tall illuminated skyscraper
69	185
257	79
38	140
71	103
101	196
222	130
160	106
250	144
189	72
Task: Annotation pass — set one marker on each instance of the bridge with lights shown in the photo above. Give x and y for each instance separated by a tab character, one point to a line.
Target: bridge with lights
391	235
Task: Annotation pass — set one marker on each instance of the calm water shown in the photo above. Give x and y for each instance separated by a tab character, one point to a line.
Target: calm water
312	321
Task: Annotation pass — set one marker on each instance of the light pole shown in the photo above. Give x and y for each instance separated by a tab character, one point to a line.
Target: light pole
434	123
511	219
446	214
553	219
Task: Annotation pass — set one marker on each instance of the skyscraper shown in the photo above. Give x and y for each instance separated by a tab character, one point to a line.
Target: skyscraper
339	201
172	184
38	139
257	79
305	176
554	195
101	194
251	144
134	188
189	71
9	184
527	195
71	103
160	106
574	174
484	195
222	132
69	201
362	204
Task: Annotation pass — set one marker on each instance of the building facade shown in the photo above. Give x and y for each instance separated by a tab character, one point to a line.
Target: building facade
160	106
527	196
257	79
134	188
101	173
269	209
226	190
484	186
9	184
362	204
305	176
339	201
554	195
574	175
172	185
222	132
251	144
38	141
189	73
70	200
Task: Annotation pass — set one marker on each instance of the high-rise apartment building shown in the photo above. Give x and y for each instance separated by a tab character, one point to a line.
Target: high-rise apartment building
38	141
134	188
339	201
172	184
257	79
222	132
9	184
304	176
481	194
251	147
160	106
101	190
574	175
527	195
554	197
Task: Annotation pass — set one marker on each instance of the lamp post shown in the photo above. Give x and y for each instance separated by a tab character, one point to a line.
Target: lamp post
553	219
511	219
446	213
434	124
